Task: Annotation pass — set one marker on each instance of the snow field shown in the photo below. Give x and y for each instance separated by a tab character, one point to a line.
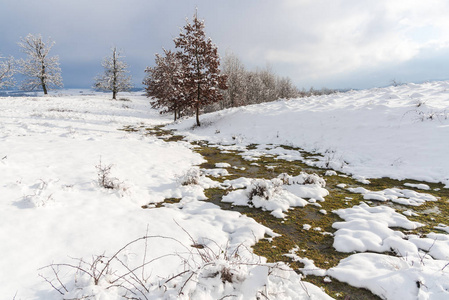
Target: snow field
53	209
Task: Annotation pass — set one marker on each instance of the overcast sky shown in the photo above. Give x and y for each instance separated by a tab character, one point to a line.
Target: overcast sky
333	43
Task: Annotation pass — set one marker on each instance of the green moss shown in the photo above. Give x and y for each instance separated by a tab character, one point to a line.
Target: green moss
335	287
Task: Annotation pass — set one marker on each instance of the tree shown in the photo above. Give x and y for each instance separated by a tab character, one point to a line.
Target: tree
200	63
285	89
115	77
235	71
268	79
41	70
7	69
164	83
254	88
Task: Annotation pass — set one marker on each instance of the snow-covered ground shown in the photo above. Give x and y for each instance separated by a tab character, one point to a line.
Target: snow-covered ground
399	132
53	210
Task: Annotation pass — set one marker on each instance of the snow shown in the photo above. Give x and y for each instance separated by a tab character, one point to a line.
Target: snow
420	186
420	268
395	277
53	209
367	229
309	266
401	196
398	132
372	133
222	165
443	227
278	195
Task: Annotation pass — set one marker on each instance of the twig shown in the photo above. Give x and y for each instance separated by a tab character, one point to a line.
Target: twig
49	282
188	279
445	266
57	277
175	276
145	254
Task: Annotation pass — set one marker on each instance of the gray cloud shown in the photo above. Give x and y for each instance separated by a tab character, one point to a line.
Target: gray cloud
338	44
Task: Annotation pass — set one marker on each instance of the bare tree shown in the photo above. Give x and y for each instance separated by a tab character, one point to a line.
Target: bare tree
250	87
115	77
7	69
285	89
41	70
234	69
164	83
200	62
254	88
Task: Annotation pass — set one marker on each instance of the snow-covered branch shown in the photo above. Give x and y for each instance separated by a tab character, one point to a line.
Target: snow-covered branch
7	69
115	77
41	70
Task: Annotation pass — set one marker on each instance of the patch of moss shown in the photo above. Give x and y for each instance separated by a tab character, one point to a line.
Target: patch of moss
162	204
128	128
335	287
313	244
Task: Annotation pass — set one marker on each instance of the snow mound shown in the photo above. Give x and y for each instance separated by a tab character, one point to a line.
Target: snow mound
383	275
367	229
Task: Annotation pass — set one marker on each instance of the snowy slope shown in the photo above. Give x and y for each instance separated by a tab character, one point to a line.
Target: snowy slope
399	132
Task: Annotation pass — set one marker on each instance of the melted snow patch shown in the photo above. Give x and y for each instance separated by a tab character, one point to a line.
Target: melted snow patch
309	265
442	227
216	172
367	229
382	274
400	196
420	186
278	195
222	165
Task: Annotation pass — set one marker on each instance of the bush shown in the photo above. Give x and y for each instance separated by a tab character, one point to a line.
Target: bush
263	188
208	269
104	177
192	176
302	178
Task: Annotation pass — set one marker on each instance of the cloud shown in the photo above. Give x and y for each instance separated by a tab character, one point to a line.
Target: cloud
312	41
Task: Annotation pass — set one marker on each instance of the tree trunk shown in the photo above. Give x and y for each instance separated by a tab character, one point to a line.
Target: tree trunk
114	93
198	115
44	87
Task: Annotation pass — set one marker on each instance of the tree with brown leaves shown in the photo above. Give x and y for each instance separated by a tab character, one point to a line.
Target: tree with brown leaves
200	63
164	83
